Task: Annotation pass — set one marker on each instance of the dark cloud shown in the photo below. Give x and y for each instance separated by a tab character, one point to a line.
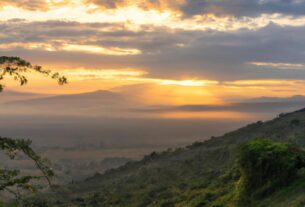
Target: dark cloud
239	8
109	4
25	32
165	52
97	34
144	4
225	55
236	8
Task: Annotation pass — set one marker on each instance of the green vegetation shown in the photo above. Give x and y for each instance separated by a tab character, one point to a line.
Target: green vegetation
265	167
13	181
236	169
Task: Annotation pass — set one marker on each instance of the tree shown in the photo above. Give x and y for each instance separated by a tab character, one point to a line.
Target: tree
13	180
266	166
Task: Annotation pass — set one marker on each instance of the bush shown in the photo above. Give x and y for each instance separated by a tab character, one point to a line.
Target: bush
266	166
295	122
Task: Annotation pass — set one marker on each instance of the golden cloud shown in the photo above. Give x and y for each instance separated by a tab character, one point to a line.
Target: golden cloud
134	75
283	66
115	51
144	4
136	13
35	4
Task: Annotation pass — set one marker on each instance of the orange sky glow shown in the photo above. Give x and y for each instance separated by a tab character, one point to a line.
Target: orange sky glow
112	46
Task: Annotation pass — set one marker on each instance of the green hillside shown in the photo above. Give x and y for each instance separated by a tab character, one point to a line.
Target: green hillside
213	173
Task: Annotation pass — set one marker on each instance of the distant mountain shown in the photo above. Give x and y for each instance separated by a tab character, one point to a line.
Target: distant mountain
256	105
96	97
97	102
202	174
9	96
115	104
16	93
297	98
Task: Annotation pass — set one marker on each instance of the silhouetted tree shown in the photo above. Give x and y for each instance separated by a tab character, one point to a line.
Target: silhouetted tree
13	180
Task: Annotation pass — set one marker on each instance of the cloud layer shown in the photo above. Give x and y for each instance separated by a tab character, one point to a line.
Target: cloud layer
222	41
244	8
271	52
236	8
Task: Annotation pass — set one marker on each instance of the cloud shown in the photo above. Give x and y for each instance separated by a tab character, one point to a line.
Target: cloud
38	5
144	4
64	36
108	74
94	38
244	8
111	4
28	4
236	8
282	66
139	14
183	8
162	52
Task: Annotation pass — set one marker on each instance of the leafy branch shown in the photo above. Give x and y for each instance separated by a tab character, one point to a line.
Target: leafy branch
17	67
13	180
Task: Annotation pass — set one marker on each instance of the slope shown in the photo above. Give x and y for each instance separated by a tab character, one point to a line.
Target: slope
198	175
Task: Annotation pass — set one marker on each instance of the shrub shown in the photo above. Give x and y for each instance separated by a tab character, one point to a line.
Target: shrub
265	166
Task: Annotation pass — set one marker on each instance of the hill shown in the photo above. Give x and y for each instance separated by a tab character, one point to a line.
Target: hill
12	96
117	104
202	174
96	102
296	98
101	96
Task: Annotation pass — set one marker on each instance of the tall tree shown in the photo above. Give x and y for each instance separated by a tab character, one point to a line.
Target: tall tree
12	180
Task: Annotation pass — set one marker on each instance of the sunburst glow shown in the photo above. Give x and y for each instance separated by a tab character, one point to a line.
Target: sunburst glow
160	52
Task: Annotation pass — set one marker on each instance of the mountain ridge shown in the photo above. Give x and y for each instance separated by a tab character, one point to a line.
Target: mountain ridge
109	103
93	95
180	177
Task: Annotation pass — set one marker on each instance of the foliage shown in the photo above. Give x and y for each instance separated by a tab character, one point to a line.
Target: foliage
12	180
16	67
266	166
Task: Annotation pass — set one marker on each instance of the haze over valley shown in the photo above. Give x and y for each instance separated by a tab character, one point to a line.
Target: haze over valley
87	128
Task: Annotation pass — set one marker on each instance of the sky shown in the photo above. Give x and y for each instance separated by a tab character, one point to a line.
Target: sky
145	75
161	52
